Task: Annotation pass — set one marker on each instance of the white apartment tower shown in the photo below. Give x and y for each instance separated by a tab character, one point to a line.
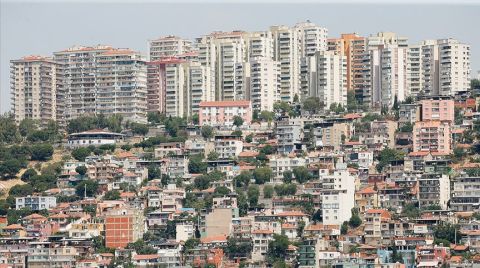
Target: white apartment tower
222	52
312	38
331	78
454	66
414	70
324	75
264	84
187	84
76	88
388	56
288	53
168	46
121	86
260	45
101	80
33	89
444	67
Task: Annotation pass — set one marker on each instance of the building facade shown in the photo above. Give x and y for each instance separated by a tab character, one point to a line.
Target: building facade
34	89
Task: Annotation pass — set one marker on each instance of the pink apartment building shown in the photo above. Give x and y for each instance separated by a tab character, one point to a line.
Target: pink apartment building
434	136
442	110
222	112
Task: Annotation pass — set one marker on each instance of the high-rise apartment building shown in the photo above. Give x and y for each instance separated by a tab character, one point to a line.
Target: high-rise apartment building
101	80
121	85
264	84
288	53
260	45
221	53
33	89
324	75
414	70
168	46
76	81
353	47
444	67
291	44
312	38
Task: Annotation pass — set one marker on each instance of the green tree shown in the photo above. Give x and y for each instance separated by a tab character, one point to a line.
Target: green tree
282	107
207	132
300	228
88	187
386	156
249	138
221	191
237	133
407	127
352	103
312	105
10	168
112	195
212	156
266	116
139	129
237	248
355	220
262	175
28	174
237	120
202	182
153	172
344	228
277	248
27	126
287	176
41	152
20	190
141	247
8	130
81	153
196	165
268	191
243	179
411	211
195	119
446	232
253	194
302	174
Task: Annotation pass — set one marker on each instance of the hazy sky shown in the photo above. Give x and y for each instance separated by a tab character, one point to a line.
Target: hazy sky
28	28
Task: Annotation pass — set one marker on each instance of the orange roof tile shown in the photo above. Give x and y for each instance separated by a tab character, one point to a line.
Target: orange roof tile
14	227
214	239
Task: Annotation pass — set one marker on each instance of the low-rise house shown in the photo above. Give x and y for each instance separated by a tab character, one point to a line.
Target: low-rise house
36	202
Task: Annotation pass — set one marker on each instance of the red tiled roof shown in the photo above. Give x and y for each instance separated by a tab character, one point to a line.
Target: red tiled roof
14	227
213	239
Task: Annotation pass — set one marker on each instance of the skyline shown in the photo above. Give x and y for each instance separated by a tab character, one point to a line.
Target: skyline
135	33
